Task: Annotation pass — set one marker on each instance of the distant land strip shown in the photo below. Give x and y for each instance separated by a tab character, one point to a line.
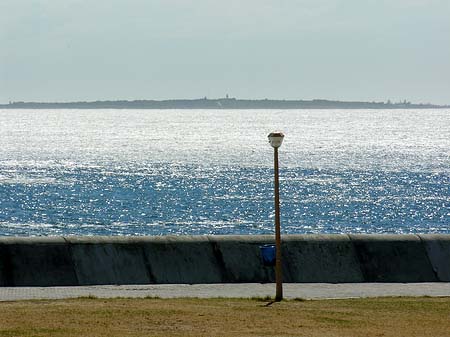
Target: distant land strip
221	103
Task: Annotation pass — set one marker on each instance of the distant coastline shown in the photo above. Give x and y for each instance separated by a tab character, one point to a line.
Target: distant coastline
221	103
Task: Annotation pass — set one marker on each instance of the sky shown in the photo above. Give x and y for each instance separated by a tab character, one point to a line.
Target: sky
354	50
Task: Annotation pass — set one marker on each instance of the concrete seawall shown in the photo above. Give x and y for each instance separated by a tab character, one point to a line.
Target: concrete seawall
62	261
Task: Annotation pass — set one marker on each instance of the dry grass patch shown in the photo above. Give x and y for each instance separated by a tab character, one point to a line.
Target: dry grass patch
226	317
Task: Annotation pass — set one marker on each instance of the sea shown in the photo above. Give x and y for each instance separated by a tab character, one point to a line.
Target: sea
201	172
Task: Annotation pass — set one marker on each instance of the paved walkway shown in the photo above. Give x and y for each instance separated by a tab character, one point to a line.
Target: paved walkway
291	290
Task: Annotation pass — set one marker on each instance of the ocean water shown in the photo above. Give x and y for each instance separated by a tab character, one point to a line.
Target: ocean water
159	172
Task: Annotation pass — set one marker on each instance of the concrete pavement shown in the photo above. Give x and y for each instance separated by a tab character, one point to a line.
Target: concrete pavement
241	290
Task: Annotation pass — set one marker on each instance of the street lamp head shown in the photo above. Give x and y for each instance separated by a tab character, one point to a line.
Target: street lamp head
276	138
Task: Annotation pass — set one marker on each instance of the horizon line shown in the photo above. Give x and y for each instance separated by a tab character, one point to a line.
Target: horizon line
227	97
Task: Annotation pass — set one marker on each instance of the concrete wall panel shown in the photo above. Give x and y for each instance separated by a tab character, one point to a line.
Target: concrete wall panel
183	260
438	250
109	260
241	259
393	258
4	266
37	262
320	258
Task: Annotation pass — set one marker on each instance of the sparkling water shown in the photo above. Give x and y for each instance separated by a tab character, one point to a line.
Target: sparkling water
159	172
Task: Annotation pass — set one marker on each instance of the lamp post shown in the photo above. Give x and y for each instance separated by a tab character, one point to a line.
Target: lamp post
275	140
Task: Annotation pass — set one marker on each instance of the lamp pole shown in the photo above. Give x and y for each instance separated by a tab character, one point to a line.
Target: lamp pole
275	139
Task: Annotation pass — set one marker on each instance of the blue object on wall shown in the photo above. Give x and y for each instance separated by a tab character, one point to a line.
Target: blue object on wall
268	255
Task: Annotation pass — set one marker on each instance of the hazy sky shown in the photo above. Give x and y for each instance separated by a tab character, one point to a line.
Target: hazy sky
64	50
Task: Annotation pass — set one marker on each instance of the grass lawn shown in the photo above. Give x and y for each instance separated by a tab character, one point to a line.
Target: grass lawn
227	317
